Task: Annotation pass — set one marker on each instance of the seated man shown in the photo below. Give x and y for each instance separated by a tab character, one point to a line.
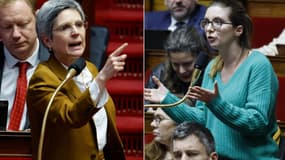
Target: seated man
20	54
193	141
179	12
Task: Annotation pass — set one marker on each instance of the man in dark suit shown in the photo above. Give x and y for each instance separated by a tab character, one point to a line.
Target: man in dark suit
179	12
19	43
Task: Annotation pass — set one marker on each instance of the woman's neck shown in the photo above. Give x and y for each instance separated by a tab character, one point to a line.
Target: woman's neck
232	57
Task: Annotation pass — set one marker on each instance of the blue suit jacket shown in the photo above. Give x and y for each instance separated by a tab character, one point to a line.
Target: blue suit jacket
161	20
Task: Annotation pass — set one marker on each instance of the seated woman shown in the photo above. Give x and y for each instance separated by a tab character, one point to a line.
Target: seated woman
160	147
182	47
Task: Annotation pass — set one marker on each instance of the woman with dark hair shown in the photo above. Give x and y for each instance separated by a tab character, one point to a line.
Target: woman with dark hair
182	47
236	100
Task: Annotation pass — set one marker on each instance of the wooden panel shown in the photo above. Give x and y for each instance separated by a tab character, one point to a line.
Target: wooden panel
15	144
148	119
259	8
153	58
278	63
266	9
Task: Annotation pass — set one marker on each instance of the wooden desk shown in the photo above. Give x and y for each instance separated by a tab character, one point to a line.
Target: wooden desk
154	57
15	144
148	119
278	63
281	49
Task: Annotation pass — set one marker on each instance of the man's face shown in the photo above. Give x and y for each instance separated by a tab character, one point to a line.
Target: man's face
17	29
189	148
180	9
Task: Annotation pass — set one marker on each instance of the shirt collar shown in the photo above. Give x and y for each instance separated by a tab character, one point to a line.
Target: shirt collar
172	26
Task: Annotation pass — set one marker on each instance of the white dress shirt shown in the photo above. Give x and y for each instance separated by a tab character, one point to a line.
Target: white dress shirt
85	81
173	26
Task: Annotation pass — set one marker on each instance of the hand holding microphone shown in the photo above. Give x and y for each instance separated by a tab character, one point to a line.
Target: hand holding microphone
156	95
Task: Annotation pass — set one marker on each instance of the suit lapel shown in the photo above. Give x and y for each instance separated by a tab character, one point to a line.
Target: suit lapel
71	88
166	21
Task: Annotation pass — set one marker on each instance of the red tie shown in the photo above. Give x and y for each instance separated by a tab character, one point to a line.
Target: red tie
20	97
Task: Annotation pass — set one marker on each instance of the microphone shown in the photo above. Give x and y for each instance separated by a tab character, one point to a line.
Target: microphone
76	68
73	70
200	63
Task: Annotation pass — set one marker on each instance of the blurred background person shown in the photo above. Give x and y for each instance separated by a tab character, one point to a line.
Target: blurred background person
192	141
20	53
81	120
182	47
161	146
178	13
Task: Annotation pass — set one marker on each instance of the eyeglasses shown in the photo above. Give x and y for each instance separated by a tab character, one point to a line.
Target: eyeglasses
216	23
70	27
158	119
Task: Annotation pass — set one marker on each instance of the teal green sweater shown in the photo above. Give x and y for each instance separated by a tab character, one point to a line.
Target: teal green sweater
242	117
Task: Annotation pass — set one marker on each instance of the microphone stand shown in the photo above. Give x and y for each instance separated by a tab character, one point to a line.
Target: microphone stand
195	77
42	135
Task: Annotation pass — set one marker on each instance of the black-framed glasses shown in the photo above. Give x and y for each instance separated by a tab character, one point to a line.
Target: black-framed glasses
216	23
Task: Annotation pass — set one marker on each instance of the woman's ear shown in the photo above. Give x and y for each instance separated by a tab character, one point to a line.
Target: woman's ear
214	156
239	30
46	41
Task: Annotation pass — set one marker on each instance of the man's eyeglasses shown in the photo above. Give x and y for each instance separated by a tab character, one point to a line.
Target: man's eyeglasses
216	23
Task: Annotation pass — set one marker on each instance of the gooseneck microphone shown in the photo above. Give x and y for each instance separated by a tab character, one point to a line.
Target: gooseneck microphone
200	64
73	70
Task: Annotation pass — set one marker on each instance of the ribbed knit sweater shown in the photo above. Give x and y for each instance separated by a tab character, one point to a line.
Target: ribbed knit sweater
242	117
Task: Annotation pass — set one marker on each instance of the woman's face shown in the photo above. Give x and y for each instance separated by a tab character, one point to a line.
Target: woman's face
183	65
163	127
68	37
219	35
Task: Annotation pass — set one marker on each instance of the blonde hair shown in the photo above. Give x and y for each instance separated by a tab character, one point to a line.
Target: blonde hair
217	66
30	3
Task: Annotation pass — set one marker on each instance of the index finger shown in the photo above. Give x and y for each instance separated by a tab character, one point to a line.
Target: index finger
119	49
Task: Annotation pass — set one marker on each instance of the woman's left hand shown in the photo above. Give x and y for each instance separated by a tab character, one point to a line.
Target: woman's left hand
203	94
